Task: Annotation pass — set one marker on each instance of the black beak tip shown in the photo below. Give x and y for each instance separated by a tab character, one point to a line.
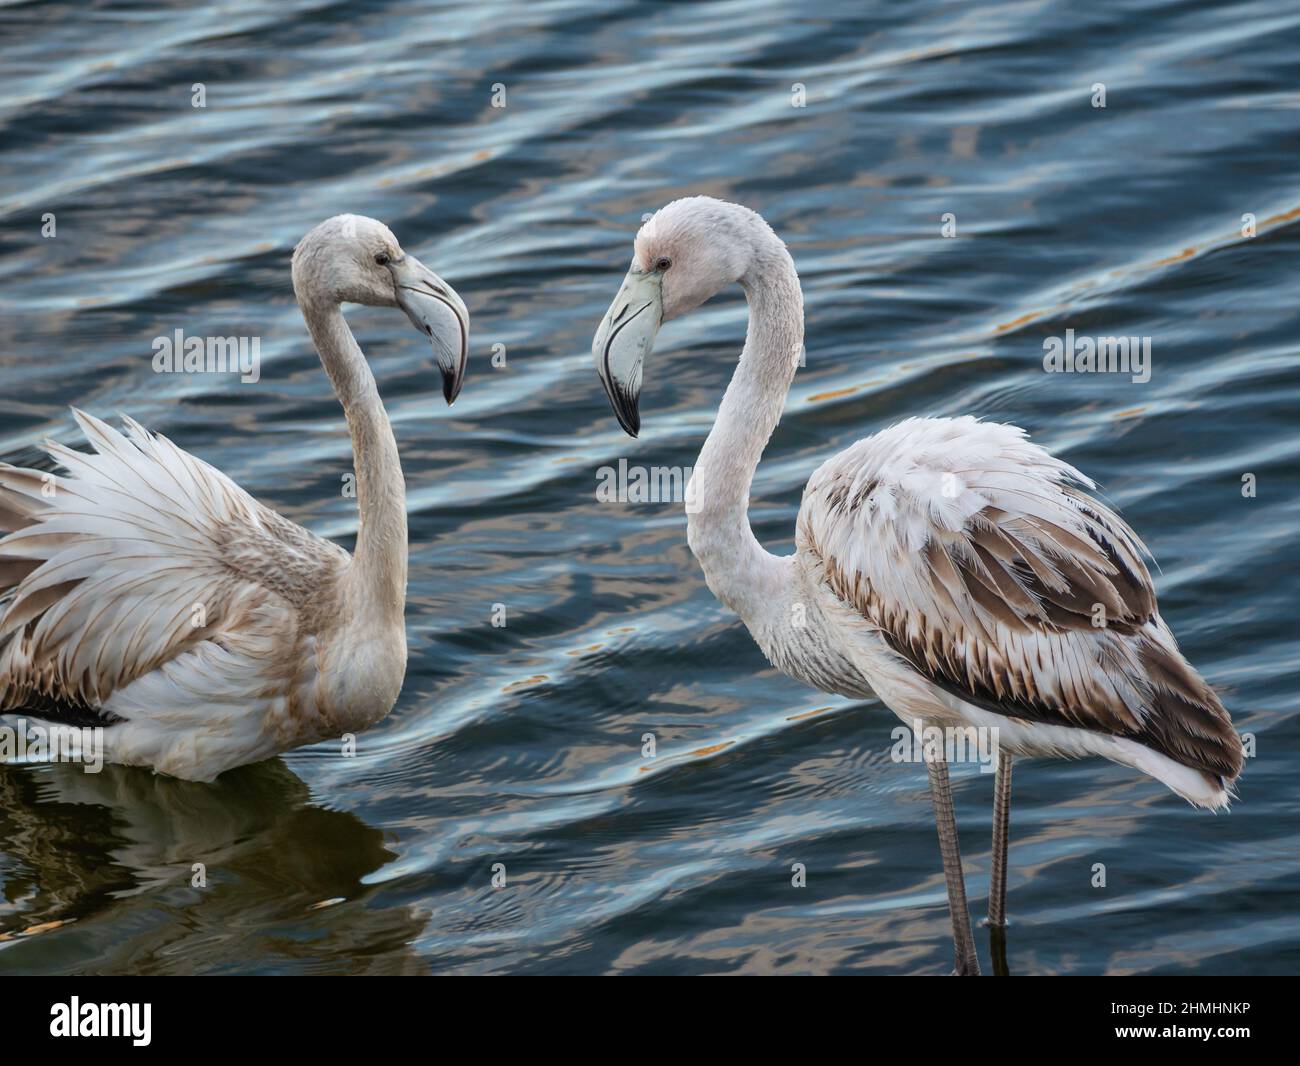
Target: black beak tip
451	382
625	406
626	411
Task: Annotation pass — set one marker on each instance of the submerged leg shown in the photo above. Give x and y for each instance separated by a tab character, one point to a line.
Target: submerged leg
998	874
963	941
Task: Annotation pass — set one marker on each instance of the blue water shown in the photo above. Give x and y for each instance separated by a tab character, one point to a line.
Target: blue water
522	745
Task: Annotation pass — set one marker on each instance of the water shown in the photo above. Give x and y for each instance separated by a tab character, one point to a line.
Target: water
522	745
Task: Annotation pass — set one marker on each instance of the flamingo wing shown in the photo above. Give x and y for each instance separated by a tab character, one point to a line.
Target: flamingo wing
140	559
979	560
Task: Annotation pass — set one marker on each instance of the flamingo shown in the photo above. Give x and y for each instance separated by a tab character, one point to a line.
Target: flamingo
948	566
144	592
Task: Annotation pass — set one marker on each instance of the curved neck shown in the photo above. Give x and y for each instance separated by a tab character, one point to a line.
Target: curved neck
378	574
738	570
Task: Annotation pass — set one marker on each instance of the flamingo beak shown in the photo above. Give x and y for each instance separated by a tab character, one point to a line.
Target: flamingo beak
626	335
435	309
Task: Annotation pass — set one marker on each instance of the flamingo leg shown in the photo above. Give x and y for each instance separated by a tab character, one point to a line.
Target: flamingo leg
1001	834
946	821
998	875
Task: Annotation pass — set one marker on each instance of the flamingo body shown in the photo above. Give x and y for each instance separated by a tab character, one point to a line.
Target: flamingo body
949	566
143	591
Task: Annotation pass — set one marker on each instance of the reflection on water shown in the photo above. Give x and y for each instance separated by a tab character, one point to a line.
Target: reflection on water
124	871
521	747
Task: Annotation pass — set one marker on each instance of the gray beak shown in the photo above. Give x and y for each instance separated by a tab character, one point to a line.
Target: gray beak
434	309
625	336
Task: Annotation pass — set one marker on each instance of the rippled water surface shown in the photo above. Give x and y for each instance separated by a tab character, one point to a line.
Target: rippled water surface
522	745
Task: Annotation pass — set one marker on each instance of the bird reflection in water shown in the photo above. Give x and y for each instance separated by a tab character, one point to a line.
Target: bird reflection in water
116	851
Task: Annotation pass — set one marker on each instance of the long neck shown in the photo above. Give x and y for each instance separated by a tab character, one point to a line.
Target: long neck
378	576
738	570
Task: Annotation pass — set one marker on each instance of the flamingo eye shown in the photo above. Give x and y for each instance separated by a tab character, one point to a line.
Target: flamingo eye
663	263
382	259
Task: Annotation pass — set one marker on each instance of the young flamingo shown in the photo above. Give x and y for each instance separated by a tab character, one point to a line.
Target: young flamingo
145	592
946	565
